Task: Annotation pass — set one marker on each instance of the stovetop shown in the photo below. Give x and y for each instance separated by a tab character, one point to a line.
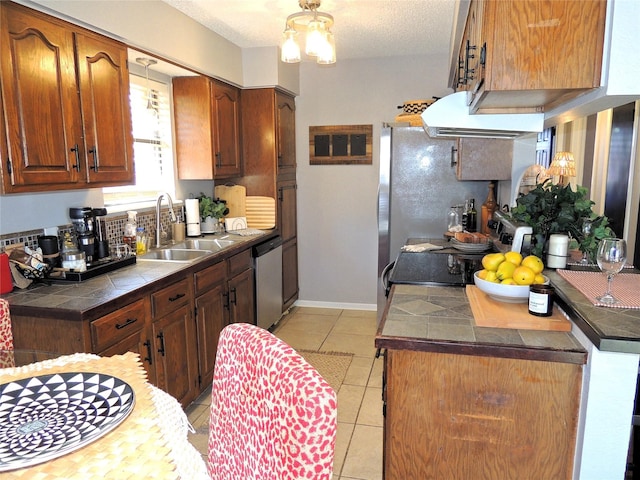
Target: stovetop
435	268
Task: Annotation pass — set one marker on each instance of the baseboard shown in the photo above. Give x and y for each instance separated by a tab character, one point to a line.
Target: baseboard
344	306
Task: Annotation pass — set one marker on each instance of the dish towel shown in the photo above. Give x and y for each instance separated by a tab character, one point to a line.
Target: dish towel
625	287
421	247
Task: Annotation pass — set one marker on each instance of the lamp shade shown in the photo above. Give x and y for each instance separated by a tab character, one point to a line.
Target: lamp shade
563	165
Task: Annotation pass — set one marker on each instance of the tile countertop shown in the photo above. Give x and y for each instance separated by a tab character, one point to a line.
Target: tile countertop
91	298
439	319
609	329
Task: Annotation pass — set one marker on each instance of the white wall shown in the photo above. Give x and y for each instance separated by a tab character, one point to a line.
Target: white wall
337	205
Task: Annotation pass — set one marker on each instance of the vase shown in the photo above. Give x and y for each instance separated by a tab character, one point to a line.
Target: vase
210	225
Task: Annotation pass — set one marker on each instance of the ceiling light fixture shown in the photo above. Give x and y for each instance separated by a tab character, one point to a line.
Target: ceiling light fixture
319	39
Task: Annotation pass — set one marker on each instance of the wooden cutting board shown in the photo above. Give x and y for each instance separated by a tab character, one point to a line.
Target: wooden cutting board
261	212
235	196
488	312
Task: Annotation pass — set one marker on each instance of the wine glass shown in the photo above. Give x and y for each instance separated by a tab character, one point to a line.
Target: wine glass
612	253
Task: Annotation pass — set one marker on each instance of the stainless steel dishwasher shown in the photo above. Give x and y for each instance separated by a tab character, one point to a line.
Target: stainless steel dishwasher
267	262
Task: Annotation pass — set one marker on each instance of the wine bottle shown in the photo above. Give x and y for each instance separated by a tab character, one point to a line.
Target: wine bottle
472	216
488	207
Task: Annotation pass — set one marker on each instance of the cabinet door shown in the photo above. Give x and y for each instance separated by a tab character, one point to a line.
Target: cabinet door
41	104
286	133
289	273
211	318
175	355
104	88
137	343
226	108
242	298
287	210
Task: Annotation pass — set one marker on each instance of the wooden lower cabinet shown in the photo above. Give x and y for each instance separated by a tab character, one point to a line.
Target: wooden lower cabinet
450	416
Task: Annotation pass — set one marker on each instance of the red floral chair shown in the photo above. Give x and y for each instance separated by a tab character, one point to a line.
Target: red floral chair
6	336
273	417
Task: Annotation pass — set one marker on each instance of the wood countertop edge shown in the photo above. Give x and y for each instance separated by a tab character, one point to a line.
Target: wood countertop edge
519	352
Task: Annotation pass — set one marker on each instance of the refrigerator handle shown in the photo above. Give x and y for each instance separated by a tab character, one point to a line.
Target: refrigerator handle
454	156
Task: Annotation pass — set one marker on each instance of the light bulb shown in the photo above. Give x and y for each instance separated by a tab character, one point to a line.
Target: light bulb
327	52
315	37
290	49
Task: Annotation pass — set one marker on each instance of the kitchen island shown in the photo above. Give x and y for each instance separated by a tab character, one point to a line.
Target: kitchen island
464	401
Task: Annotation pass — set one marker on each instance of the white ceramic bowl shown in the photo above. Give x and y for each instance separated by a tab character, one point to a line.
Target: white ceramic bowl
504	293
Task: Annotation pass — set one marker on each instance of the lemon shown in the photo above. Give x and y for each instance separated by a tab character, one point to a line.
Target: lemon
513	257
505	270
539	279
482	274
491	261
508	281
491	276
534	263
523	275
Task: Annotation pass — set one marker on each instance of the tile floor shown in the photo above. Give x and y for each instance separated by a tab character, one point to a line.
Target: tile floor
358	454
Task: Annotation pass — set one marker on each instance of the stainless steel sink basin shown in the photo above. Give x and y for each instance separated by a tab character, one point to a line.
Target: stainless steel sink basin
211	244
173	255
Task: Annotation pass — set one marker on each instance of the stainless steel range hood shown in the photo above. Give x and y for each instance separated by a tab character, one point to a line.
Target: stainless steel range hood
450	117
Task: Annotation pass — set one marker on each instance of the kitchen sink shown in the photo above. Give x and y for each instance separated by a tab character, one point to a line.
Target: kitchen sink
212	245
173	255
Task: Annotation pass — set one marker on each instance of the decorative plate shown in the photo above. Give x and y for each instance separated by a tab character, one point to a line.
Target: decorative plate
470	247
47	416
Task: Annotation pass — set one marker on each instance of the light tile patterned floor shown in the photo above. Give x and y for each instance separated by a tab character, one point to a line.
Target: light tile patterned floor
358	453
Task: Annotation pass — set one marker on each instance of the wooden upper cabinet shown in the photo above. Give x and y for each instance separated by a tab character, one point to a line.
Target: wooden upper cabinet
40	96
58	108
286	133
533	54
106	113
207	126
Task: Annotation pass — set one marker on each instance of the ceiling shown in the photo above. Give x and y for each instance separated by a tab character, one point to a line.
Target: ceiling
362	29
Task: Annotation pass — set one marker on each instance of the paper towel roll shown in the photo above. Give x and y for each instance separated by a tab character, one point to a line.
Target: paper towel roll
192	208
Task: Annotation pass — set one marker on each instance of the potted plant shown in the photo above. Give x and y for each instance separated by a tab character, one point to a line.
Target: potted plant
550	208
211	211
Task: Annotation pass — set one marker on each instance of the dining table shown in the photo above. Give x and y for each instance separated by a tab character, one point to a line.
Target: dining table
83	416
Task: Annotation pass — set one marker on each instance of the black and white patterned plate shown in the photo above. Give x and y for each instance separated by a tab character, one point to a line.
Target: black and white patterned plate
47	416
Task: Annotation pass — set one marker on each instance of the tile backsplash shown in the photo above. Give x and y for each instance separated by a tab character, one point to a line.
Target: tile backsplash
113	227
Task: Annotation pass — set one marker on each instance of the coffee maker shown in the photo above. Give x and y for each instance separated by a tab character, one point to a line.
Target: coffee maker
82	220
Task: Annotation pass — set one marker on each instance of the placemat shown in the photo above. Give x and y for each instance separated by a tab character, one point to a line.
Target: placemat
625	287
488	312
135	449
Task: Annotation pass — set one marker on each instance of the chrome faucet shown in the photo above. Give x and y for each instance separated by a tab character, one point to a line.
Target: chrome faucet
172	216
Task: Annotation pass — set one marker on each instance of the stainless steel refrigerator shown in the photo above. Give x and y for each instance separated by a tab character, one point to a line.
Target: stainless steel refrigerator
417	188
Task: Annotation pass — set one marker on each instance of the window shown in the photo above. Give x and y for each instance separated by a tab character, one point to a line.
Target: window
152	149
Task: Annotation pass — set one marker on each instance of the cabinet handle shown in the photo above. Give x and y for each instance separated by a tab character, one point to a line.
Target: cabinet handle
177	297
235	296
129	321
218	159
96	163
148	357
454	159
76	150
160	336
226	300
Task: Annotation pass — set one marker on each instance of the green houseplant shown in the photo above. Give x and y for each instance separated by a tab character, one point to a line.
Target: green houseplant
210	207
550	208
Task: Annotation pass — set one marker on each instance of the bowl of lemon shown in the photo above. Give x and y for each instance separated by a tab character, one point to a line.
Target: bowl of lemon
507	277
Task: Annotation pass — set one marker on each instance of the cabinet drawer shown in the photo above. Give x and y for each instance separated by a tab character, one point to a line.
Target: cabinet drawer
117	325
239	262
170	298
210	276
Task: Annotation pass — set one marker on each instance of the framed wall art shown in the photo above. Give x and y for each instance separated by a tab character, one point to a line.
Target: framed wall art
340	145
